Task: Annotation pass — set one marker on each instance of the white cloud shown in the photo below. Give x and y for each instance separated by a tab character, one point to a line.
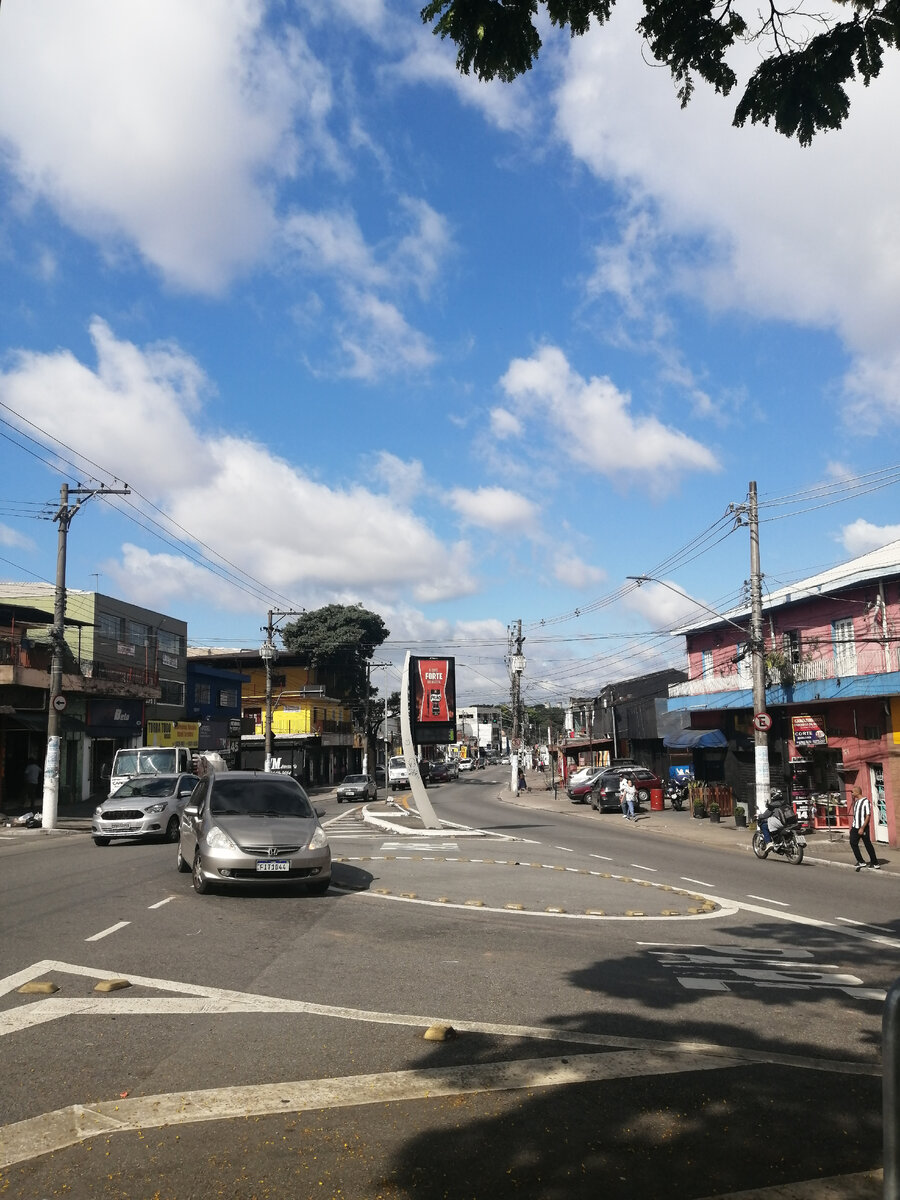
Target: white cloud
161	124
862	536
431	61
594	424
806	235
665	606
141	411
495	508
375	336
574	572
505	424
11	537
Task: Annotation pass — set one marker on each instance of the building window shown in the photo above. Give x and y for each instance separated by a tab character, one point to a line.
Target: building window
202	693
170	643
109	626
790	645
844	646
171	692
279	681
706	668
228	698
138	634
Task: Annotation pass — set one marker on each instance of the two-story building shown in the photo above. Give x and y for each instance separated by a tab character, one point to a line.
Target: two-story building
312	733
124	671
832	648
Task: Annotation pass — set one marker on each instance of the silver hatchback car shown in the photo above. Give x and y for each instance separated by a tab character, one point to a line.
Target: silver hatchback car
147	806
248	826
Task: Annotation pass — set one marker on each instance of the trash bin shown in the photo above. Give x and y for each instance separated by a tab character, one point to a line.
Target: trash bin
657	803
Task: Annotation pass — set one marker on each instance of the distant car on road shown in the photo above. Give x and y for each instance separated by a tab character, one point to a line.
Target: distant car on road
356	787
439	772
252	827
466	764
398	772
147	806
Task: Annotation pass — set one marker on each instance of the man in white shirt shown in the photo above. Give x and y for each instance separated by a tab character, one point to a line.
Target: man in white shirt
627	797
859	830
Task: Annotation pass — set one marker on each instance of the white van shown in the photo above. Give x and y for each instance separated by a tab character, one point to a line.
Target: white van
398	772
149	760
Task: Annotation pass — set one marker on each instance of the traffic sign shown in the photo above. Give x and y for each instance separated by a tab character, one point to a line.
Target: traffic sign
59	703
762	721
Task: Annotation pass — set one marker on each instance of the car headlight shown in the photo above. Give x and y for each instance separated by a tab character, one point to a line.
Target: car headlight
318	839
155	808
98	812
218	839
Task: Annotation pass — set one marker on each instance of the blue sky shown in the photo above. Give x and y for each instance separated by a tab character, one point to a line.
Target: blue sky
372	332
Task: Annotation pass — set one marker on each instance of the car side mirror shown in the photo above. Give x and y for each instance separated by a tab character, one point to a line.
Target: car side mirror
320	812
191	810
185	792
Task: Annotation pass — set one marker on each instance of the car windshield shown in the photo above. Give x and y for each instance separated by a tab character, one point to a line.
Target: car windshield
398	762
354	779
259	796
154	786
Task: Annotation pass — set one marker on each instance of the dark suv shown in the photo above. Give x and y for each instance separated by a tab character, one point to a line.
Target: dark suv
605	791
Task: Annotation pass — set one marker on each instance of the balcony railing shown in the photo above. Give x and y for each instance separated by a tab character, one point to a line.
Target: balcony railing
139	676
859	660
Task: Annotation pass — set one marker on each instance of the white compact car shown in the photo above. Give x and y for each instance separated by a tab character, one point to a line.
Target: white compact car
148	806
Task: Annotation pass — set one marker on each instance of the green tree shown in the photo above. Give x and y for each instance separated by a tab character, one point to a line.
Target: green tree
806	56
338	641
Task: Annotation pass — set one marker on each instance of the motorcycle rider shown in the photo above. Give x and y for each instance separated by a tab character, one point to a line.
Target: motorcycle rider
773	818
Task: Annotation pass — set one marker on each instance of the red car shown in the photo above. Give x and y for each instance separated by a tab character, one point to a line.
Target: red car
605	789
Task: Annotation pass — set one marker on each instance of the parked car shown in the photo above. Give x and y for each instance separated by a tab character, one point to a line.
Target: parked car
453	768
439	772
147	806
466	764
581	783
605	790
356	787
250	826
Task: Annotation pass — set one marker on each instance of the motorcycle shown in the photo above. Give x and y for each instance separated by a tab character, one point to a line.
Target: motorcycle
787	842
676	794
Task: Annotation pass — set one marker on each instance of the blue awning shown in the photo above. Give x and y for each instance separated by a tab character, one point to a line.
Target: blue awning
696	739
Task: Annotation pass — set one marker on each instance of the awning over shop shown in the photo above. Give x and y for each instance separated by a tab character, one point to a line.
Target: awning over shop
696	739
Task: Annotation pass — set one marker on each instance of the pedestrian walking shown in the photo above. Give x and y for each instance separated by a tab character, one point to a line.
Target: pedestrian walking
33	779
627	797
859	830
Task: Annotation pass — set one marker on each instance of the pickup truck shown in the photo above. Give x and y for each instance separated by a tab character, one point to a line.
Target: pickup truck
398	773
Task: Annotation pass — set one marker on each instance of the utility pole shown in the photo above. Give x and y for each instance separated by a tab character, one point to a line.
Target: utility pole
268	652
57	705
761	719
516	664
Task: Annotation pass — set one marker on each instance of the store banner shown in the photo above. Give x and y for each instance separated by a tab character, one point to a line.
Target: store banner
433	700
808	731
173	733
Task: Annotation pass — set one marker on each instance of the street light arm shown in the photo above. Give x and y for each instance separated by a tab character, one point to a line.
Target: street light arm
639	579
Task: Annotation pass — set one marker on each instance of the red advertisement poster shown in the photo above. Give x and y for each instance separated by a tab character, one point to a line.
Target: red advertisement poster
433	685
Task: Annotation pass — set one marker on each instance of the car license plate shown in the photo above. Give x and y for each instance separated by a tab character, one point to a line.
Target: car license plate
120	826
273	864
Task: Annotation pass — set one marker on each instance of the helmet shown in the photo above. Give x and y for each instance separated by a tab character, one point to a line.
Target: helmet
776	795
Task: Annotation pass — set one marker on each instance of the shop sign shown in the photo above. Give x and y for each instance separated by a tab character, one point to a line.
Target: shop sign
173	733
808	731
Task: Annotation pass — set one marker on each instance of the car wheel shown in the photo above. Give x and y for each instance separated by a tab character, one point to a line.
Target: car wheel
201	885
173	830
319	888
643	795
181	862
101	841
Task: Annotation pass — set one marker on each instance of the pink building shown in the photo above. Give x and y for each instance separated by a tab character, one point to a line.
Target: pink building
832	645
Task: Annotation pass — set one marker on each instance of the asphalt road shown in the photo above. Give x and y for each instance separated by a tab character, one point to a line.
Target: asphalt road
631	1015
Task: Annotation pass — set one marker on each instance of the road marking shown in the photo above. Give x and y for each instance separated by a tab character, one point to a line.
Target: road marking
54	1131
567	849
864	925
638	867
768	900
699	882
420	844
605	857
106	932
724	968
160	903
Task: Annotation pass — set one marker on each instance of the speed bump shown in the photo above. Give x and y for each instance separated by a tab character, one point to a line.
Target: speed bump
38	987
